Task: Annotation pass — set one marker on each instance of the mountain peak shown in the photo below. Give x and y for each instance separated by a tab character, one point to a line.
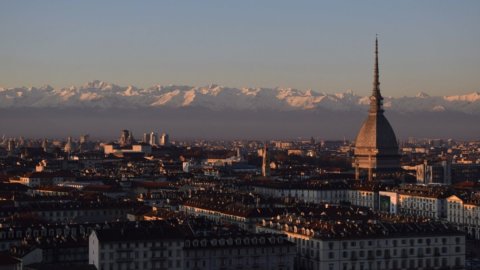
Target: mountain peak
422	95
107	95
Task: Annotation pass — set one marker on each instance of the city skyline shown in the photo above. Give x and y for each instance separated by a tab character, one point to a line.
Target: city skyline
214	135
428	47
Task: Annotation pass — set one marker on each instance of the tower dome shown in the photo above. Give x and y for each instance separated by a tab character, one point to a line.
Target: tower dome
376	147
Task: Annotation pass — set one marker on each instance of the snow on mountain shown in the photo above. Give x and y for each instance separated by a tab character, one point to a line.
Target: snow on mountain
98	94
473	97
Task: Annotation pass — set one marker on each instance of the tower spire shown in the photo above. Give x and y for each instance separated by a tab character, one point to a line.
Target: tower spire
376	98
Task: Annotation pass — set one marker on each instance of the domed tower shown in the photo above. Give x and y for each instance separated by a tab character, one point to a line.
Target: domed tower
376	148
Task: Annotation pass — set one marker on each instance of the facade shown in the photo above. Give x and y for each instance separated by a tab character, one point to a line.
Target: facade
153	138
376	149
37	179
379	245
363	197
115	149
159	245
243	217
332	192
464	212
72	211
438	173
164	140
126	138
254	251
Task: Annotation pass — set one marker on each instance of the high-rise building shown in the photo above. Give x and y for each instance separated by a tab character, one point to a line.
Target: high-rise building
164	140
11	145
45	145
266	161
84	139
153	138
146	137
376	148
126	138
69	147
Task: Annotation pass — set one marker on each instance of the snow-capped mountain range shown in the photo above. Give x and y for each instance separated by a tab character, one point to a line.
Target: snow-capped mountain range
98	94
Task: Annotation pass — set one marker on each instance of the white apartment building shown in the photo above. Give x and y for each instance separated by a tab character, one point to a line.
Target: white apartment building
431	206
465	213
375	246
363	197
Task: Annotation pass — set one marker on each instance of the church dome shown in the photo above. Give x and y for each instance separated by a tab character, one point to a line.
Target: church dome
376	134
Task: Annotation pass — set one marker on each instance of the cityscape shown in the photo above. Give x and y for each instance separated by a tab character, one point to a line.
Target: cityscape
200	195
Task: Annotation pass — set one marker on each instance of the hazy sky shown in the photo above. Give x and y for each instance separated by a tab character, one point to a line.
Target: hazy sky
431	46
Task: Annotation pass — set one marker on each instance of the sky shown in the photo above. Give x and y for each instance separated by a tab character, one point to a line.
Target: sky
327	46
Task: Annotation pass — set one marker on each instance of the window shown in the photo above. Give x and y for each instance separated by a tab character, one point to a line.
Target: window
331	255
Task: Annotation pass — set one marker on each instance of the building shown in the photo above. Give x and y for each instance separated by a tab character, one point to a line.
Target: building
69	146
37	179
376	152
161	245
309	192
157	246
369	243
465	172
266	161
248	251
146	137
118	150
165	140
436	173
416	200
463	210
153	138
126	138
224	208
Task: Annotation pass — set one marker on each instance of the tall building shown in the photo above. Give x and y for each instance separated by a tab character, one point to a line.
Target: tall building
126	138
266	161
84	139
45	145
376	149
153	138
164	140
69	147
146	137
11	145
